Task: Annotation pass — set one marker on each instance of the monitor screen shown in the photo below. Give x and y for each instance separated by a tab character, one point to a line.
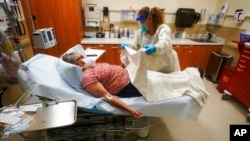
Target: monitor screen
49	35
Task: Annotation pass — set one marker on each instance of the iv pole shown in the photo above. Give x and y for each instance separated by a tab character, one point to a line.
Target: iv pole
11	19
7	7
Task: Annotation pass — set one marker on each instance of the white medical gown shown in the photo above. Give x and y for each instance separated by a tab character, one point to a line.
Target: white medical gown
165	59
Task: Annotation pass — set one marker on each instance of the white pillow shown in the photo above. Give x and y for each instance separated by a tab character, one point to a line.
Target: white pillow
77	48
72	74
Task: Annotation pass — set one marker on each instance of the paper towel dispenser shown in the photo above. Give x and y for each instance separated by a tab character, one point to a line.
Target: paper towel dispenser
92	15
92	22
185	17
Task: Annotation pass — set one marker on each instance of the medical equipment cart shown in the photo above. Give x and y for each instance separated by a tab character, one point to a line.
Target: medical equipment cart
238	82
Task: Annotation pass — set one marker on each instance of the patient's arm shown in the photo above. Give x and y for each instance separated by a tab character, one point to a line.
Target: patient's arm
97	90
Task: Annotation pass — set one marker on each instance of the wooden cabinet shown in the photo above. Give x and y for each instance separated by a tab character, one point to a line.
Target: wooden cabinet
185	51
189	55
111	55
113	52
65	16
195	55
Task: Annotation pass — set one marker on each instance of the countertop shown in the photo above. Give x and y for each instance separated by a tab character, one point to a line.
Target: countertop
219	41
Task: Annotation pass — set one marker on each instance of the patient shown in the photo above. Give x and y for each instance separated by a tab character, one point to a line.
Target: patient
105	81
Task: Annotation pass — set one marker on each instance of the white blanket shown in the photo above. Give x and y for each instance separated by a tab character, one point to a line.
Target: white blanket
156	86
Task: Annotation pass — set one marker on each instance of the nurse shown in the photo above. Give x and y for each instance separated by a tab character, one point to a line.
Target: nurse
154	36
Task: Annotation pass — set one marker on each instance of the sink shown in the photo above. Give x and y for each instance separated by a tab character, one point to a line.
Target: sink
203	40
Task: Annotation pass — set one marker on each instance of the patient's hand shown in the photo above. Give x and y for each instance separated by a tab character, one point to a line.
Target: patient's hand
136	114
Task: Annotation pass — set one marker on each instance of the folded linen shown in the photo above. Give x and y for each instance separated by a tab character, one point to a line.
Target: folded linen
157	86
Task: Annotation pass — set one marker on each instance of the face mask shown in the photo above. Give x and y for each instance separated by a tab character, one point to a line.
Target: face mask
143	27
88	61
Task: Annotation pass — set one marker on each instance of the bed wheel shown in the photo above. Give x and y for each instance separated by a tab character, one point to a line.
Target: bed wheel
225	96
248	117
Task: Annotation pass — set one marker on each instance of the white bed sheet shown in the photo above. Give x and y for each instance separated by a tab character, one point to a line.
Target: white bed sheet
39	76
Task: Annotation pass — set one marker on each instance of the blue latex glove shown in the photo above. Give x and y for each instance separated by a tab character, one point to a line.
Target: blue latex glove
123	45
150	49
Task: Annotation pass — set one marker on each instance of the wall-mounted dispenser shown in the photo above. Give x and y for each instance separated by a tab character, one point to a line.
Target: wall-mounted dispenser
105	14
197	17
203	13
239	15
185	17
92	15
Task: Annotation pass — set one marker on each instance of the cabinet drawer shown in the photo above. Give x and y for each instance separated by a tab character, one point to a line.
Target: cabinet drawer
243	74
245	55
225	78
245	59
240	90
246	50
243	68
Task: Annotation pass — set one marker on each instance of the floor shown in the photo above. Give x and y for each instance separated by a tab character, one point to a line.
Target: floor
212	125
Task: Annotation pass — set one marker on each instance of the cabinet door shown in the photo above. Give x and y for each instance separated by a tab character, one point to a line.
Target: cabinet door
187	57
67	22
198	56
113	56
178	50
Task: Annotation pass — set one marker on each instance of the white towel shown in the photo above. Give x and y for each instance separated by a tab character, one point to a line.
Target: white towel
157	86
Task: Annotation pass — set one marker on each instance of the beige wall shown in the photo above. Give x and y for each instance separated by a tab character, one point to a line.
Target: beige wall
211	6
170	6
236	4
228	30
231	30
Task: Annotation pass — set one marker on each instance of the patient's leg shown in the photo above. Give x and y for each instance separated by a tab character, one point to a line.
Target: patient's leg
129	91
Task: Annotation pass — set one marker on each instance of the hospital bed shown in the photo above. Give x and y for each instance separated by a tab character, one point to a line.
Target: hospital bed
40	77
